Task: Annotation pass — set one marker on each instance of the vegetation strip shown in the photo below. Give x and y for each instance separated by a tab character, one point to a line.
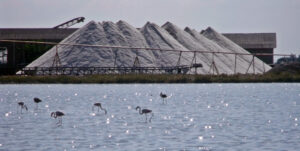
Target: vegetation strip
147	78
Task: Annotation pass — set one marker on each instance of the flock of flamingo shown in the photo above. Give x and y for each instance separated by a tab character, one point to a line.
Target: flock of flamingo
59	114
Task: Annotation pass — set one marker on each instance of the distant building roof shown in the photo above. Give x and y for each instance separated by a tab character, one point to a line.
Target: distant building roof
35	33
253	40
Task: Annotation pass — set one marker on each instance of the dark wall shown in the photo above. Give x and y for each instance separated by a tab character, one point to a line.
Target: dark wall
21	54
256	43
267	59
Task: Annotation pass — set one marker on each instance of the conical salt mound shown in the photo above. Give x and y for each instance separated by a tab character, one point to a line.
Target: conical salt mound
116	38
258	67
192	44
157	37
79	56
136	39
150	46
211	46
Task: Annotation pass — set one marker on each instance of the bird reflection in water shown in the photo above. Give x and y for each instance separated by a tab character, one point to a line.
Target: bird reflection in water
58	115
22	106
37	101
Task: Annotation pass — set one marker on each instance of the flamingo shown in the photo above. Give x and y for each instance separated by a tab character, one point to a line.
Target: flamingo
37	101
22	105
59	115
145	111
163	96
99	107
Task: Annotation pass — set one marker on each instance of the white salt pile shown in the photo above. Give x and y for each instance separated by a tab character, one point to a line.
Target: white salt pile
169	36
211	46
227	44
192	44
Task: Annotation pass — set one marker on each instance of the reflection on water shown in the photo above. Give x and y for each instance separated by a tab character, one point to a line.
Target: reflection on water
195	117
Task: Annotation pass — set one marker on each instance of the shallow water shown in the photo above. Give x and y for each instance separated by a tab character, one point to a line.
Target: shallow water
195	117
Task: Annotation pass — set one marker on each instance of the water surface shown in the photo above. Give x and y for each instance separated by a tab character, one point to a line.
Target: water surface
196	117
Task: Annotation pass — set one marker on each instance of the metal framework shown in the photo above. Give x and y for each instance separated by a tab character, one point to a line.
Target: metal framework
103	70
213	66
56	59
136	67
70	23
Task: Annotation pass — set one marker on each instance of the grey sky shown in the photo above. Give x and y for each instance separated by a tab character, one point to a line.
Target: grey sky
226	16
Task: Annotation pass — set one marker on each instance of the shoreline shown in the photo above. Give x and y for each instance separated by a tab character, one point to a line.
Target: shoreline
147	78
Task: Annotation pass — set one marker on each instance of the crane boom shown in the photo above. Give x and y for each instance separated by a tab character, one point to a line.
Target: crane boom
70	23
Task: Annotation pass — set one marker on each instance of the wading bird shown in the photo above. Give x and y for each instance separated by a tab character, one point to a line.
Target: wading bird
37	101
99	107
22	105
145	111
59	115
163	96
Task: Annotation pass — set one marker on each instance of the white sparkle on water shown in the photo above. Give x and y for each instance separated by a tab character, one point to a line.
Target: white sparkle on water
200	138
207	127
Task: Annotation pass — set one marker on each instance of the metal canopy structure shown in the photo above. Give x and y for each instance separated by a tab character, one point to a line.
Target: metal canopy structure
56	69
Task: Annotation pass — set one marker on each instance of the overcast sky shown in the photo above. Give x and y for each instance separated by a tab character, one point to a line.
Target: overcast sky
226	16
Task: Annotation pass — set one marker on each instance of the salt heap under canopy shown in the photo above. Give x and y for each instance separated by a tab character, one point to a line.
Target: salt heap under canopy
168	37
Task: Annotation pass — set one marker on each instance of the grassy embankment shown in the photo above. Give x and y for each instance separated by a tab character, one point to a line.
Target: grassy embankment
137	78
